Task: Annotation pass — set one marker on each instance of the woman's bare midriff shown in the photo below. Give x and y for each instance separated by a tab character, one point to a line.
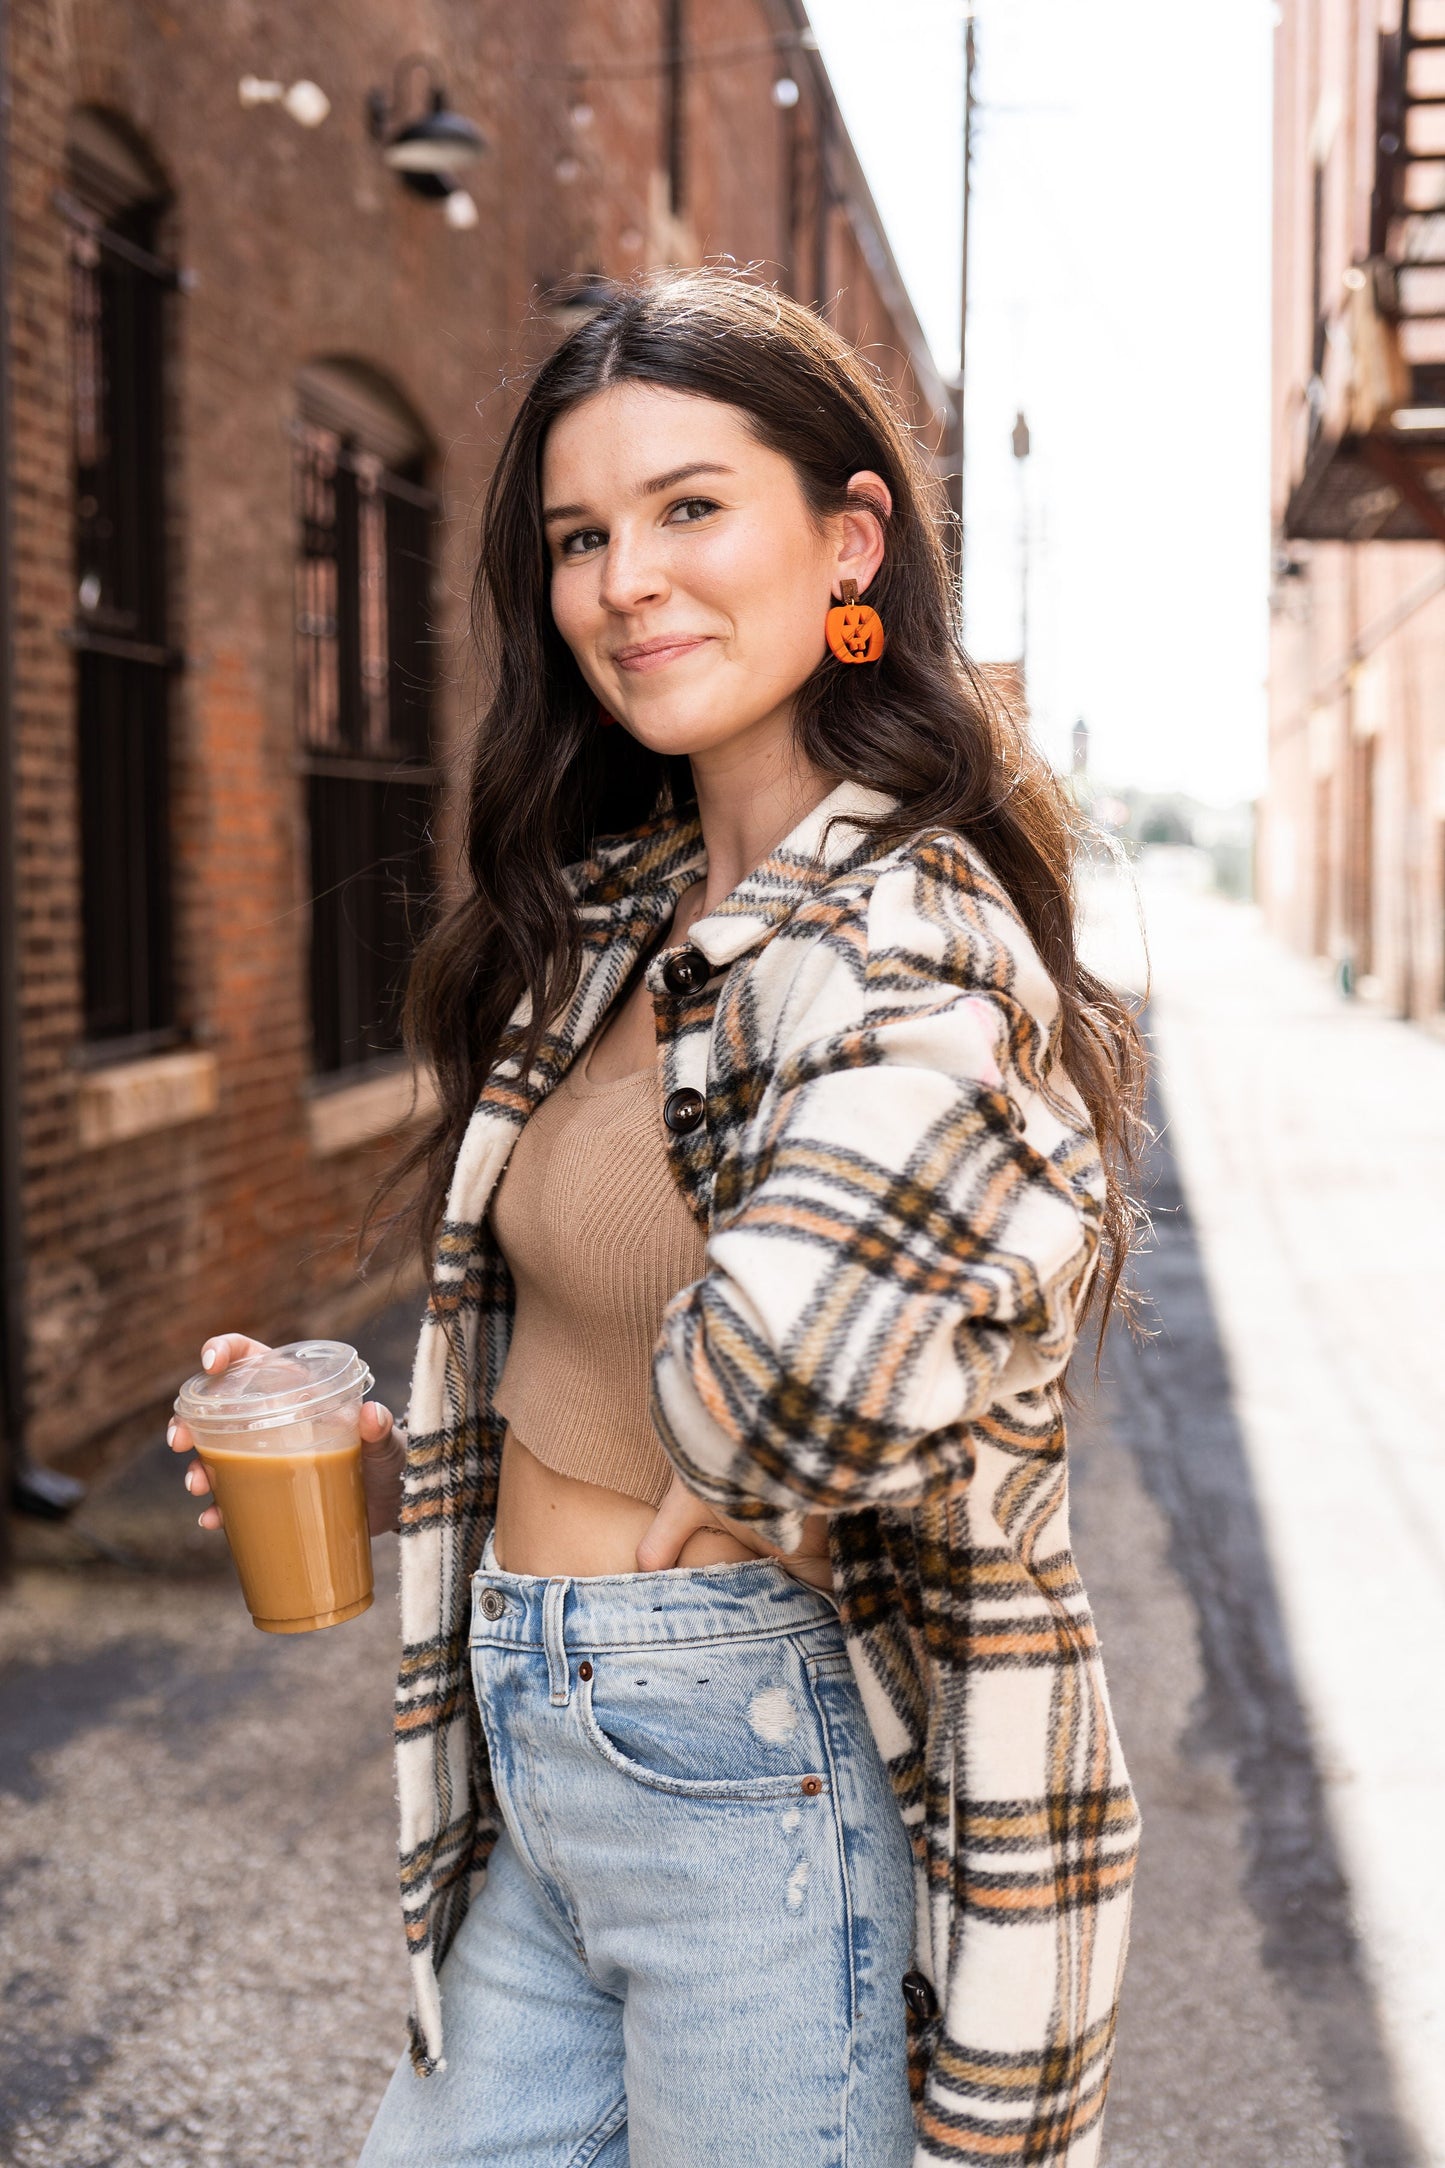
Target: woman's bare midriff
552	1524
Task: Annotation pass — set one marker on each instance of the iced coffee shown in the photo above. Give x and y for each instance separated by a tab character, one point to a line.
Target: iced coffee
279	1436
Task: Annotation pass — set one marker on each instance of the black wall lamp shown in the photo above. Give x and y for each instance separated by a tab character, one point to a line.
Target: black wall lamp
429	152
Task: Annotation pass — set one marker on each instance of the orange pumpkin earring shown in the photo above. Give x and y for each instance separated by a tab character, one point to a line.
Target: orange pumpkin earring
855	632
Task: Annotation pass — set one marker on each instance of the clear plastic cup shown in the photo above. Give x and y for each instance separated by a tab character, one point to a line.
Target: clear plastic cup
279	1436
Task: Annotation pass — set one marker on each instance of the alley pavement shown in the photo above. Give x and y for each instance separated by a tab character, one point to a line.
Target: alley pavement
200	1949
1302	1465
199	1935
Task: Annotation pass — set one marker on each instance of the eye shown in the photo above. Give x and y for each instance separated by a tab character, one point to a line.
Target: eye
580	541
689	510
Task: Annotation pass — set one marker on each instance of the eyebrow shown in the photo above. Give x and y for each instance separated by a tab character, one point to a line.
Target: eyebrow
651	488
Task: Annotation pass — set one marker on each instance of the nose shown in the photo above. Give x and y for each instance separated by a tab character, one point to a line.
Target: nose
632	572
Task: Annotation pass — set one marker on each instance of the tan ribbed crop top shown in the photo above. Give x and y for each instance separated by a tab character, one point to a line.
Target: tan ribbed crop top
597	1236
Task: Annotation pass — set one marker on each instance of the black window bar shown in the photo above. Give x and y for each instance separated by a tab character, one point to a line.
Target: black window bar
364	701
118	296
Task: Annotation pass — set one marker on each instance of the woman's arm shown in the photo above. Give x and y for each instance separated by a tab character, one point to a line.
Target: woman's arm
907	1254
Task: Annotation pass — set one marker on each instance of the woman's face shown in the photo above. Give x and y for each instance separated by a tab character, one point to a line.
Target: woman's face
688	577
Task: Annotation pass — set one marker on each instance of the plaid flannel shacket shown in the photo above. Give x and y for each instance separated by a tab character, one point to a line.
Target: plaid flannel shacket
902	1195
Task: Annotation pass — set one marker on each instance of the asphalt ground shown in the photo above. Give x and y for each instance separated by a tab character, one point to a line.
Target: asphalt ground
200	1950
200	1944
1248	2035
1309	1133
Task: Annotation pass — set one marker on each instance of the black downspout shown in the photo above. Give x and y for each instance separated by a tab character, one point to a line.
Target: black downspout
788	236
821	233
674	113
12	1266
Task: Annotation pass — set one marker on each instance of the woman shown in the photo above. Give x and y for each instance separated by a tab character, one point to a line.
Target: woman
781	1821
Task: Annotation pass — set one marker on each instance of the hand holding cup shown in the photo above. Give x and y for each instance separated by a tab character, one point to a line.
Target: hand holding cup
304	1471
383	1452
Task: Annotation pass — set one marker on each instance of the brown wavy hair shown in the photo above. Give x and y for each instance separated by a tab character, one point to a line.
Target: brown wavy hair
921	724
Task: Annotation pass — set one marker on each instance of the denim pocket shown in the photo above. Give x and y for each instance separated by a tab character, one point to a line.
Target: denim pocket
731	1720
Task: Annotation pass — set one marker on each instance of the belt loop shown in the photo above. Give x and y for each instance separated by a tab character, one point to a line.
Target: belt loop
554	1598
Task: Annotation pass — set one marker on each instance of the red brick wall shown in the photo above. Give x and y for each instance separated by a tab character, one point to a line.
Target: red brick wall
302	245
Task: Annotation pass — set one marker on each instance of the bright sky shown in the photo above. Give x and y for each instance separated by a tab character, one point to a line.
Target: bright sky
1119	296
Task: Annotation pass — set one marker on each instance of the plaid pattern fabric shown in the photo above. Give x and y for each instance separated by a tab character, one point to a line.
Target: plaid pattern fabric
902	1193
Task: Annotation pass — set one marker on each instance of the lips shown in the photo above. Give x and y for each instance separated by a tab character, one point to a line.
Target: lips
654	654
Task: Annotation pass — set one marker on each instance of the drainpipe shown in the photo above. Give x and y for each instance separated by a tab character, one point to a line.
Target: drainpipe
12	1286
29	1489
821	234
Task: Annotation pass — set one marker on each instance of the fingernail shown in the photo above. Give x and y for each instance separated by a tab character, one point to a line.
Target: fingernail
209	1357
171	1431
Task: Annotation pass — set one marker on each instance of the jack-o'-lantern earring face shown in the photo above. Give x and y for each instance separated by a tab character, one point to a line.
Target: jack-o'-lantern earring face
854	631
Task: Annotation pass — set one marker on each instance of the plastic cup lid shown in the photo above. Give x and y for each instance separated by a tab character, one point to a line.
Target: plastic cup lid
278	1387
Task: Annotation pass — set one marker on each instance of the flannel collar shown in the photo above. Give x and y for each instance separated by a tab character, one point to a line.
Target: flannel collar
641	875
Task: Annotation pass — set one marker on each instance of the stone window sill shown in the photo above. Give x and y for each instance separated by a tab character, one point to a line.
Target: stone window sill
356	1113
132	1098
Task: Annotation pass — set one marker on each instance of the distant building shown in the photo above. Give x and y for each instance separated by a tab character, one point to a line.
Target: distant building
255	383
1353	825
1006	682
1081	747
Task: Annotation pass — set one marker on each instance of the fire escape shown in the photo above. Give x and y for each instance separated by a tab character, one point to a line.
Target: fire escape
1373	464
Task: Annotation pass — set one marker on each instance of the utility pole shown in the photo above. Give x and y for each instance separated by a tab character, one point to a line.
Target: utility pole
1020	442
970	54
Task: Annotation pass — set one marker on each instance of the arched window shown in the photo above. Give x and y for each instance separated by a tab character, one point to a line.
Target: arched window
119	294
364	702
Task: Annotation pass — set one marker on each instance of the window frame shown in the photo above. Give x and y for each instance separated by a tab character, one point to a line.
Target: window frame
369	773
121	426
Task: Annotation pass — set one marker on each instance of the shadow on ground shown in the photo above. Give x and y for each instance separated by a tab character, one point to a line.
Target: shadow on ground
1248	2035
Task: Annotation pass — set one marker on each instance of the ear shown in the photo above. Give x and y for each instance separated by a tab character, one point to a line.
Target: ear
861	530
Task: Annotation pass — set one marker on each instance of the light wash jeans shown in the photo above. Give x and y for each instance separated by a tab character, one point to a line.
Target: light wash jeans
689	1947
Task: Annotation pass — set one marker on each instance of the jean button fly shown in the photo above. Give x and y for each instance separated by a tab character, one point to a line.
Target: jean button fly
493	1603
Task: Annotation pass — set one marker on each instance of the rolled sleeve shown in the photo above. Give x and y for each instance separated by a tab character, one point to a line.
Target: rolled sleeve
903	1254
